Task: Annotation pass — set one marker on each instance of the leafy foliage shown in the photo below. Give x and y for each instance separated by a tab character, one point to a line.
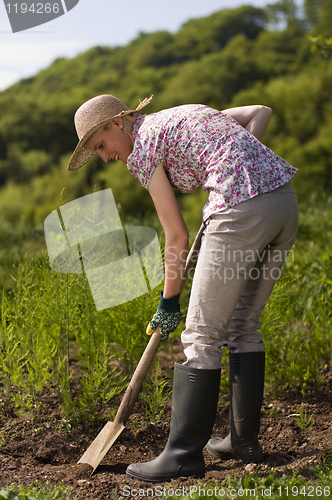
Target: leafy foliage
37	491
155	396
321	44
49	319
233	57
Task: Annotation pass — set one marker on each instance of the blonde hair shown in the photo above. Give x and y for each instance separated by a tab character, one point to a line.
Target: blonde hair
128	122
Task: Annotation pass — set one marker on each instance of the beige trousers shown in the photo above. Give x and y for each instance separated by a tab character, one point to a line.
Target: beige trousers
243	249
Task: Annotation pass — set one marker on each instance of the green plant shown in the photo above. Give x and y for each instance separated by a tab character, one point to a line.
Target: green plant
303	421
37	491
155	396
324	468
271	410
49	324
48	319
2	437
24	403
322	45
111	414
297	318
65	425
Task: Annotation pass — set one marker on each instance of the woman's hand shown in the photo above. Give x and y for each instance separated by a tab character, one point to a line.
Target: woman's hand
167	317
255	119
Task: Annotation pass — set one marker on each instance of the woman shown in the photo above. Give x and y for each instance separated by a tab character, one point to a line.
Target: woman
250	223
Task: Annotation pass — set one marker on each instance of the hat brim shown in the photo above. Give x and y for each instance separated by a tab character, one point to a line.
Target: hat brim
82	154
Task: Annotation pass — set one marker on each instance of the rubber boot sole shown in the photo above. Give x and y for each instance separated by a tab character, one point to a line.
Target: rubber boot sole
162	477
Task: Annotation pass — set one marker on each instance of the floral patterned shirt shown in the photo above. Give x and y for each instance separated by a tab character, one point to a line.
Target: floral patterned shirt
205	148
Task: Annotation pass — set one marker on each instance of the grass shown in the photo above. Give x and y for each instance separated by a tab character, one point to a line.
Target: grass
255	486
38	491
48	321
303	421
296	322
155	396
258	487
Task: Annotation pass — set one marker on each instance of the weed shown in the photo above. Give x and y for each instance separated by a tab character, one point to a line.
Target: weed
112	413
37	491
324	469
259	487
134	423
65	425
155	396
271	410
48	319
24	403
303	421
37	430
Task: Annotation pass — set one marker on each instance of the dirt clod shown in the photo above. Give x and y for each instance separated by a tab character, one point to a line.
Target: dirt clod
80	472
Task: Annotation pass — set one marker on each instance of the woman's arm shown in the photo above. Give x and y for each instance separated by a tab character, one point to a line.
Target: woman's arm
176	233
255	119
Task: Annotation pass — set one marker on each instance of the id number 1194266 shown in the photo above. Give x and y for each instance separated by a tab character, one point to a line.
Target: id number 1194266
38	8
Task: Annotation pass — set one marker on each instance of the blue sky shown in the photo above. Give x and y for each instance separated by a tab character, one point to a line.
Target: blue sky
94	22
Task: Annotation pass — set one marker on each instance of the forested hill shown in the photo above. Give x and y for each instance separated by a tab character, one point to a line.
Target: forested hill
234	57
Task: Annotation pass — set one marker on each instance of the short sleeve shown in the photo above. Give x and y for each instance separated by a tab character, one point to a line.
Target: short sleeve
148	152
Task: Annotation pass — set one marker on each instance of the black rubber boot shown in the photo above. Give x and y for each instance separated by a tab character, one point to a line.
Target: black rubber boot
194	406
246	375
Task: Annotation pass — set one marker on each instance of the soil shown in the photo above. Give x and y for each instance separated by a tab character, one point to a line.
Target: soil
44	446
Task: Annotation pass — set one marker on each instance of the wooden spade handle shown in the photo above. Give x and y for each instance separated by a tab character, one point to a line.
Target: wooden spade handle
143	366
136	382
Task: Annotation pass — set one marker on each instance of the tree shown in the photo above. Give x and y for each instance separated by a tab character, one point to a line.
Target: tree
319	16
210	34
282	14
152	50
322	45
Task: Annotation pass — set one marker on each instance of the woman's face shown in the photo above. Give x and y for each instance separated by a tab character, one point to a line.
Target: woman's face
111	144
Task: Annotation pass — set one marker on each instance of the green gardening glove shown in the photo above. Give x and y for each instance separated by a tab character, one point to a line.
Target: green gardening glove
167	317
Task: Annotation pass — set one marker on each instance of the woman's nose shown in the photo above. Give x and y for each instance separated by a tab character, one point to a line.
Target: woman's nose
103	155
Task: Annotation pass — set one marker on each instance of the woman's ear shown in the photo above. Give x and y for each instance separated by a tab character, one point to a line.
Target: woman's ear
118	122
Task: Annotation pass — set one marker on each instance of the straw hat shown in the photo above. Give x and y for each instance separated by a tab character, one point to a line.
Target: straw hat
92	116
